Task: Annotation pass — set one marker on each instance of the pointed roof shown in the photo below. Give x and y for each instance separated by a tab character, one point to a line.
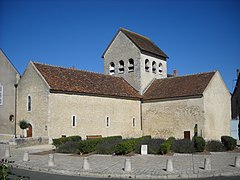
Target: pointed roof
4	57
145	45
76	81
178	87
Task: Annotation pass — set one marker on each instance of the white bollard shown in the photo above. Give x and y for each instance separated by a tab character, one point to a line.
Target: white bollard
207	164
237	161
26	156
7	152
127	165
86	165
51	160
169	165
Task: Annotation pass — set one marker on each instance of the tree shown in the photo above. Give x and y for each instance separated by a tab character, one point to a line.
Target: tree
23	125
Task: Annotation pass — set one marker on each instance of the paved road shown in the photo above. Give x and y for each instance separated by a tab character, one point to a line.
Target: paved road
40	176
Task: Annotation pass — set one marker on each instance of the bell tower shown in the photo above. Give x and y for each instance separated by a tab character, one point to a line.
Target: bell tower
136	59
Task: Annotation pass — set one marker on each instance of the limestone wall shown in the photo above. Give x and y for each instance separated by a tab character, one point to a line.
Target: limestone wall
171	118
217	107
91	114
31	84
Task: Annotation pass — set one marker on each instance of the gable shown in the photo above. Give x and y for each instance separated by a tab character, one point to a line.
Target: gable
178	87
76	81
144	44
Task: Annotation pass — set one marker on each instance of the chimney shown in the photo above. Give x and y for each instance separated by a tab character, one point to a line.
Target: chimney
175	73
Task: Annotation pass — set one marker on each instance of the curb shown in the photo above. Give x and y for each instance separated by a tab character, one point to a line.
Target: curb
123	175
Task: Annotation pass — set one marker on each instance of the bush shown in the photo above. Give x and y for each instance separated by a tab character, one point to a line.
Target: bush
214	146
165	147
23	124
171	141
108	145
228	142
199	143
68	147
60	141
183	146
126	146
153	145
88	146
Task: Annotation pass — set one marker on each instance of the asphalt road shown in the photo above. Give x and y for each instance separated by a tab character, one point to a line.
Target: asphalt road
32	175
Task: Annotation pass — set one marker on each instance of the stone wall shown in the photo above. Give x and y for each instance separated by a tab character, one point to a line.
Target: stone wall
91	114
24	142
217	107
164	119
8	78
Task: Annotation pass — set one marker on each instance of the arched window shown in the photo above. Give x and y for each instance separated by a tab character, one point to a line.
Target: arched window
130	65
134	122
29	103
73	121
160	68
111	68
147	65
154	67
121	66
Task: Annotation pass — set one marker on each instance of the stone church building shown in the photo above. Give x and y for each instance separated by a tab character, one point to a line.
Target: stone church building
134	97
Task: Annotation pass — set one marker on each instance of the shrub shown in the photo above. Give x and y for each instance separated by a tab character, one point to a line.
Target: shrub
199	143
68	147
171	141
165	147
183	146
23	124
88	146
126	146
153	145
108	145
214	146
60	141
229	142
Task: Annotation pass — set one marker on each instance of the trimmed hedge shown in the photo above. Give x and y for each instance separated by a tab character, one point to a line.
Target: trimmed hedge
88	146
228	142
60	141
69	147
153	145
183	146
214	146
108	145
126	146
199	143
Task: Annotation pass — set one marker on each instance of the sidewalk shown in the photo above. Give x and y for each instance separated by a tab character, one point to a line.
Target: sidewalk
142	166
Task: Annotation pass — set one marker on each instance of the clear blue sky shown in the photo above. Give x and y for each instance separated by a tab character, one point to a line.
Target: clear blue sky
197	35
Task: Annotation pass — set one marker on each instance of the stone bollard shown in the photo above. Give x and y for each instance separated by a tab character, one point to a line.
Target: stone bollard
26	156
51	160
7	152
86	165
237	161
127	165
207	164
169	165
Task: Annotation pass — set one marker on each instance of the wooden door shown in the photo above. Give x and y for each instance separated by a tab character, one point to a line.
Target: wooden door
29	130
186	134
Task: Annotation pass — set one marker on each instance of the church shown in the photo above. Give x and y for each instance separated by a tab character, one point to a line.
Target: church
134	97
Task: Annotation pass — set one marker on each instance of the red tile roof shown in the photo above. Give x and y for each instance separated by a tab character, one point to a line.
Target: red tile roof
144	43
76	81
176	87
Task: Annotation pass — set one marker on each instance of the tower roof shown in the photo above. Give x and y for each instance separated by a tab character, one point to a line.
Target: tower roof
145	45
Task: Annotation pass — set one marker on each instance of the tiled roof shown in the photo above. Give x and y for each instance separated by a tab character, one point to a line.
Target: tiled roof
76	81
176	87
144	43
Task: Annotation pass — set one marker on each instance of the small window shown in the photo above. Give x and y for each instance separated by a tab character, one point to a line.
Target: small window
73	121
133	122
154	67
130	65
111	68
147	65
160	68
29	103
121	67
107	122
1	94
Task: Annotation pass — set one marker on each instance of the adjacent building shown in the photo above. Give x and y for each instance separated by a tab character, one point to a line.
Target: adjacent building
9	78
